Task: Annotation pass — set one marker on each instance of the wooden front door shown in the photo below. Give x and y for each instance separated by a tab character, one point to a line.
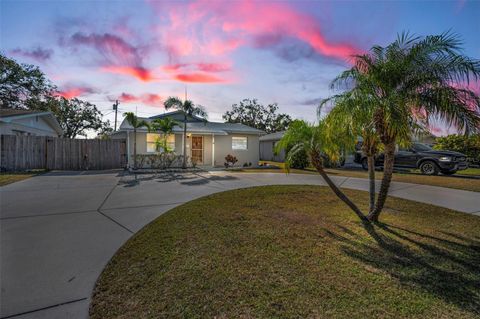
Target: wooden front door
197	149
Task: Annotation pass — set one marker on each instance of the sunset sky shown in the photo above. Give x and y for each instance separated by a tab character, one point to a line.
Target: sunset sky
141	52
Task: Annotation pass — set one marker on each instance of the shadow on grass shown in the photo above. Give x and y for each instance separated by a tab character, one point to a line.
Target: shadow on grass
447	267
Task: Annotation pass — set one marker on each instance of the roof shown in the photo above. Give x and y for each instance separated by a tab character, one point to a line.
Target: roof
9	115
179	116
15	112
273	136
200	127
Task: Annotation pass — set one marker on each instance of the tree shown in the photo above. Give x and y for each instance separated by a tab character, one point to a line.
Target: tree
22	85
253	114
105	130
350	118
468	145
315	141
411	81
189	109
165	127
136	123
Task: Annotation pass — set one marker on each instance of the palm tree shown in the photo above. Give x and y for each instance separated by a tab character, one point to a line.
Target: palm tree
411	81
165	127
313	140
350	118
136	123
189	109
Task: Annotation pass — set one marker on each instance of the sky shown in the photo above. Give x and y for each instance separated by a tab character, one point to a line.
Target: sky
143	51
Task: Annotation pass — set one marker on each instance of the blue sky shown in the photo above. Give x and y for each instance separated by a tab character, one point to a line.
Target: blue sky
141	52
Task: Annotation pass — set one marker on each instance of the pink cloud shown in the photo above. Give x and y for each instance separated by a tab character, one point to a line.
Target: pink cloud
139	73
214	28
147	99
198	78
71	91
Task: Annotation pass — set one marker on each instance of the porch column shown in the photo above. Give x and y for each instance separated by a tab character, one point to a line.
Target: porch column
128	149
213	150
183	142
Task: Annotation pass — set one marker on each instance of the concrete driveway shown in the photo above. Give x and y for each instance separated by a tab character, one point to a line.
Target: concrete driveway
59	230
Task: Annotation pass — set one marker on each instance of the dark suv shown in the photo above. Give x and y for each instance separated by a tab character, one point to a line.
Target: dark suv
422	156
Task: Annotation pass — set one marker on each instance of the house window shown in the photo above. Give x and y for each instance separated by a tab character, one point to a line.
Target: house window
154	143
239	143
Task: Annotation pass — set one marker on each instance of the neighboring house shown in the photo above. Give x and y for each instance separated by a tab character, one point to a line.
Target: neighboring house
267	146
207	142
26	122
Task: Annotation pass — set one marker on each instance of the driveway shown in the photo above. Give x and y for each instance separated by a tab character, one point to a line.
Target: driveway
59	230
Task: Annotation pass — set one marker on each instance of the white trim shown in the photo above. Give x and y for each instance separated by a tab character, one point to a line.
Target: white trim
128	149
213	150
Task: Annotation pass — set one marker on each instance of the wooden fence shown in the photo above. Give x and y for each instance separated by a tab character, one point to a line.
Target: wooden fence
42	152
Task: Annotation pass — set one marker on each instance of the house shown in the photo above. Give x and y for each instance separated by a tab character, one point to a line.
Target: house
27	122
207	142
267	146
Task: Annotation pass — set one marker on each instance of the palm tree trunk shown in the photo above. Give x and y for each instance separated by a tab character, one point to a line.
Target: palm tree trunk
371	178
387	178
184	164
134	148
317	162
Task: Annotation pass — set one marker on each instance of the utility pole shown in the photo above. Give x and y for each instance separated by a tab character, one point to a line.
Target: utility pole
115	107
185	92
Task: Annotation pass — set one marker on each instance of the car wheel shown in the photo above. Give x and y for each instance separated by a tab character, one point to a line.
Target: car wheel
429	168
365	164
448	172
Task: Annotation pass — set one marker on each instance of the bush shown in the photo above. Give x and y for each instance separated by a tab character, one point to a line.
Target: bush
468	145
162	161
299	160
230	161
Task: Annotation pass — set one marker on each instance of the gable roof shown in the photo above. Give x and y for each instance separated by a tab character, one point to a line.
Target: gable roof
273	136
178	116
198	126
9	115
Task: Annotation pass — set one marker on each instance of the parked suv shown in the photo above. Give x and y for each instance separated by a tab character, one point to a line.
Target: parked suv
423	157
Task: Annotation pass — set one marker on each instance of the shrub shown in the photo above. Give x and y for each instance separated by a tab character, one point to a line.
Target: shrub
162	161
230	161
468	145
299	160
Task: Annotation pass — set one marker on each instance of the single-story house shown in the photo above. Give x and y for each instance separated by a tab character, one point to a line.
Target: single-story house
207	142
267	146
27	122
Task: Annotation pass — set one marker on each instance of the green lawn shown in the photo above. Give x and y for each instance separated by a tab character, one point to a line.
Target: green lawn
442	181
295	252
8	178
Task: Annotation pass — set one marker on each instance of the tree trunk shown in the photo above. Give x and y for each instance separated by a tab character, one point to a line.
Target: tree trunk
184	164
134	148
317	162
387	178
371	178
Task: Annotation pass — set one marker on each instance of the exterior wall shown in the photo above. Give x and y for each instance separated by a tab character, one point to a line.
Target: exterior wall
223	147
267	154
28	126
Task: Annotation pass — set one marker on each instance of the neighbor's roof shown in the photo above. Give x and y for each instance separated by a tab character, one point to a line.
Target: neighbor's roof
273	136
9	115
202	127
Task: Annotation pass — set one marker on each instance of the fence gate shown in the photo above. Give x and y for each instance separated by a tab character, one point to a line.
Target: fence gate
42	152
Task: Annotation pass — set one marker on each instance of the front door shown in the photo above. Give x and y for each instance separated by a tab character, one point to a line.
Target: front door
197	149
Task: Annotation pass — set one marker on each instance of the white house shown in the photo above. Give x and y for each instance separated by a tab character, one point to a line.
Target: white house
207	142
26	122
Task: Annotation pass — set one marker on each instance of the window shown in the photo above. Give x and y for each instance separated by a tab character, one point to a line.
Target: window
154	143
151	142
239	143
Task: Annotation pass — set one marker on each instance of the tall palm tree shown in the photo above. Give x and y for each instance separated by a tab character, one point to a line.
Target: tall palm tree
136	123
189	109
413	80
350	118
313	140
165	127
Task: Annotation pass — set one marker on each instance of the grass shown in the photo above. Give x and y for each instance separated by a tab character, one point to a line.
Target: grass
295	252
442	181
8	178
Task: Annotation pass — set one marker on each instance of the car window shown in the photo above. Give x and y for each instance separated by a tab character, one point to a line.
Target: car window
403	149
421	147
